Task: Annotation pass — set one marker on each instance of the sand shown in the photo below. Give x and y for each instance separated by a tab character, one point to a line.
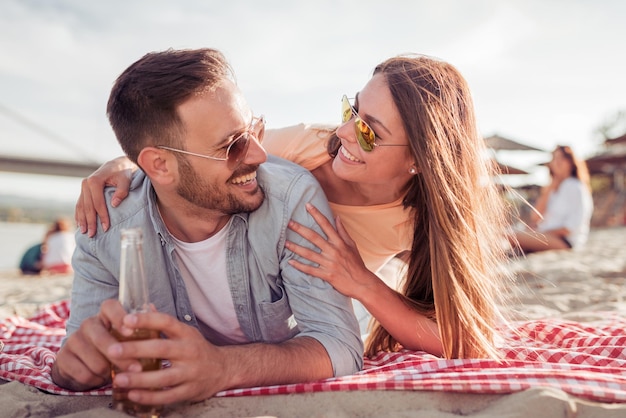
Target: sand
579	285
573	285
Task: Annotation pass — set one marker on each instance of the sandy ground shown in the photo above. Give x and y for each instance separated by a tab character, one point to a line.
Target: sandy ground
573	285
579	285
24	295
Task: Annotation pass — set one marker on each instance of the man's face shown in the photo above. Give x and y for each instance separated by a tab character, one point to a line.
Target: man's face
212	121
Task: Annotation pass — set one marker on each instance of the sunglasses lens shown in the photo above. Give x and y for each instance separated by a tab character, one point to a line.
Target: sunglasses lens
259	130
365	135
238	150
346	110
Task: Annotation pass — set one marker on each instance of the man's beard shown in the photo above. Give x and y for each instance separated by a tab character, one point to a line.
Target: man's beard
197	191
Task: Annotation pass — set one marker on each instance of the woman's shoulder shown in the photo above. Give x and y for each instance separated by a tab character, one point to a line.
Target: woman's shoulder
572	186
572	183
304	144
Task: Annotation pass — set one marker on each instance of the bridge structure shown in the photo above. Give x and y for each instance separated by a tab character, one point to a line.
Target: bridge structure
48	167
56	167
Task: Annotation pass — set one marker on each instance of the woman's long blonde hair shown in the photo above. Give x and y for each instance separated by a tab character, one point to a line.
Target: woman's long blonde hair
458	216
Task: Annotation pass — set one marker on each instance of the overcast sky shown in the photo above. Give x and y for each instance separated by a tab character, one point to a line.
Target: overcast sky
542	72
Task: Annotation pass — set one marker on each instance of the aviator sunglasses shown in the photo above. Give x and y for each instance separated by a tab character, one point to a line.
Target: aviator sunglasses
237	149
364	133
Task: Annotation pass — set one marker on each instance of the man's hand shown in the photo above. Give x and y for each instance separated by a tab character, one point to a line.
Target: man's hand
199	369
196	371
82	363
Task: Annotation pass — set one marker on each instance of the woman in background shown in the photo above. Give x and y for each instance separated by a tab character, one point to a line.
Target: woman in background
405	175
563	209
58	248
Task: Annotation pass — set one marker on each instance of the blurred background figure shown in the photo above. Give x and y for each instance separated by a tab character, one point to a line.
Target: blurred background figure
563	208
58	247
31	260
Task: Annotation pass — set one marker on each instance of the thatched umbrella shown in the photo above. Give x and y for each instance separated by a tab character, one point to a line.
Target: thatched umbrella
509	170
498	143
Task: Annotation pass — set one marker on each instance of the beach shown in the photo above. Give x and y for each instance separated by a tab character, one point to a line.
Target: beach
578	285
582	285
24	295
554	284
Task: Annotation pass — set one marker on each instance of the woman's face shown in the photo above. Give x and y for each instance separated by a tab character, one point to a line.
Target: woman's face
560	166
384	165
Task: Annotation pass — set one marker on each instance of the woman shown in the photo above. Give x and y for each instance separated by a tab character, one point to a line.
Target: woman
58	247
563	208
405	175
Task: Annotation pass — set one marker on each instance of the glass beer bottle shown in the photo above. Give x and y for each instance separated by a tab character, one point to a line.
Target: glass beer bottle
133	295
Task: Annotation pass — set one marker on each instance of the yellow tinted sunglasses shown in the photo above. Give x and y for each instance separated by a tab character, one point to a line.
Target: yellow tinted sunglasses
364	133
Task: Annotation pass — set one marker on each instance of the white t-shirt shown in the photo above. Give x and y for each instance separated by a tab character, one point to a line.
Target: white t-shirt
570	206
202	266
59	249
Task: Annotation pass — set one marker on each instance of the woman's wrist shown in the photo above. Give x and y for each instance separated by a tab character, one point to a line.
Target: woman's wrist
372	292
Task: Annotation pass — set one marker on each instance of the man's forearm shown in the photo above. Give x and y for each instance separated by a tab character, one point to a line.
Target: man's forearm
561	232
298	360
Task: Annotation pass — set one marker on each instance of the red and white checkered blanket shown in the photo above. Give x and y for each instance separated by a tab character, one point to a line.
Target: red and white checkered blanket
586	360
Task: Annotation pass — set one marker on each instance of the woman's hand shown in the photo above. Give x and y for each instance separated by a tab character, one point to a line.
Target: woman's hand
116	173
338	262
541	204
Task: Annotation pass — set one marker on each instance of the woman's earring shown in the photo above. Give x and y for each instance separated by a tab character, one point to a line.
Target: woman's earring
413	170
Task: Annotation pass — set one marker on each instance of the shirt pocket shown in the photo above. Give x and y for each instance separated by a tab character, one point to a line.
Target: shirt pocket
277	322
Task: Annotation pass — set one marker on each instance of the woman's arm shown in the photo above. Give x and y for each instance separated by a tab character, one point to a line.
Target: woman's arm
542	203
302	144
340	264
90	204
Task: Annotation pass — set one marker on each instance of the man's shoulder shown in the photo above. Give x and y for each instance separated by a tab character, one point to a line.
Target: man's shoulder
286	186
281	167
278	174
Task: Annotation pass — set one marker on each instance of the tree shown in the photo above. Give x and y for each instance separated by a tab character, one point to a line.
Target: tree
612	127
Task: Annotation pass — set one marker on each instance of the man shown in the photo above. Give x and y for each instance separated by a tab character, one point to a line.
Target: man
232	309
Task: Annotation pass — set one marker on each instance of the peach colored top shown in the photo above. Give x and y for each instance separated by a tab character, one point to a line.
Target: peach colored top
380	231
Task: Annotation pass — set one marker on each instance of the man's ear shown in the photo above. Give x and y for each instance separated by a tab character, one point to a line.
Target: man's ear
159	165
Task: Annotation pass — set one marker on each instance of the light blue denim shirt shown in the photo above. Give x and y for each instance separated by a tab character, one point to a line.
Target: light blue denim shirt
273	301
